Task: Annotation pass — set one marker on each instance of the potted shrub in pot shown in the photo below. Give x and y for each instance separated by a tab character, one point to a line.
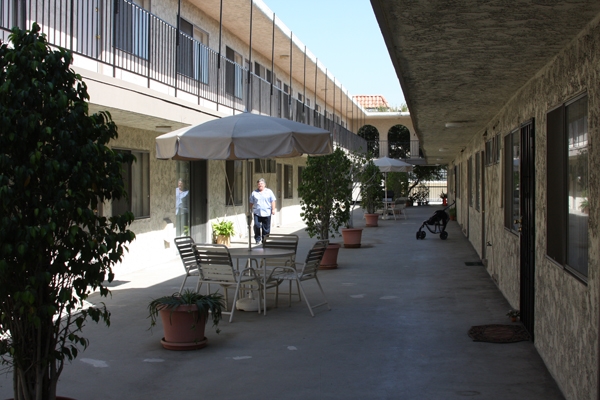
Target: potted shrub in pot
184	316
370	192
223	232
352	235
325	197
56	249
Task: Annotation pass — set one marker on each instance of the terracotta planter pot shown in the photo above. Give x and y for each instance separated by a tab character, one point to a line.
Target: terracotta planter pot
329	260
352	237
182	332
372	219
222	239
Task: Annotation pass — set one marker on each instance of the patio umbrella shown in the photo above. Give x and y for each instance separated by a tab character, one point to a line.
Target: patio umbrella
241	137
387	164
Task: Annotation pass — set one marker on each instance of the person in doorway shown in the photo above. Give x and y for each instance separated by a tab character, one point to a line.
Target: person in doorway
181	208
262	206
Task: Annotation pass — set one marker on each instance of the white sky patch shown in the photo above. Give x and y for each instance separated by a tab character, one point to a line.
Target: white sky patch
95	363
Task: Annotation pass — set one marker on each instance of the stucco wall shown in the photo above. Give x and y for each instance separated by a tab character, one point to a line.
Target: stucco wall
566	309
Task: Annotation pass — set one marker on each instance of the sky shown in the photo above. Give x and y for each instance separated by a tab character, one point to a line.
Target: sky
345	37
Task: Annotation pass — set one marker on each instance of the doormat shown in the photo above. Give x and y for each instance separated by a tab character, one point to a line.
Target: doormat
499	333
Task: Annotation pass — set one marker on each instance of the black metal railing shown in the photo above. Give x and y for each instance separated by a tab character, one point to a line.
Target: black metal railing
122	35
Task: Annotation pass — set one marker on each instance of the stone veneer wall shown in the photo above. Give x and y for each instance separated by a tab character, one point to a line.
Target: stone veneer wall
566	310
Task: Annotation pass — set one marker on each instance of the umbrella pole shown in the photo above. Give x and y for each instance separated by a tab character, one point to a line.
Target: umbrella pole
249	213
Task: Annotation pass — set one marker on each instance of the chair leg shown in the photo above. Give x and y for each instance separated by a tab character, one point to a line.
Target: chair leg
183	283
305	298
323	293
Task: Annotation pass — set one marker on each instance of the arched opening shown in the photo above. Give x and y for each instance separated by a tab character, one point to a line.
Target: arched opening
399	142
371	135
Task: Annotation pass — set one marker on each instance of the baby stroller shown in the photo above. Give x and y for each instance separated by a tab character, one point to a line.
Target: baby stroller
438	221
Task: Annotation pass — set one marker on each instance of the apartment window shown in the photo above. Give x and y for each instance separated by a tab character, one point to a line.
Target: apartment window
193	55
131	28
136	178
492	151
265	166
567	183
234	76
300	172
288	181
512	160
234	187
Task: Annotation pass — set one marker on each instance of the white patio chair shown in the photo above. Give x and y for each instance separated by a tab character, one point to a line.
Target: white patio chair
184	246
279	241
216	267
301	272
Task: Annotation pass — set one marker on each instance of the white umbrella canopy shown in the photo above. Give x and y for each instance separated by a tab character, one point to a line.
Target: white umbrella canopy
387	164
243	136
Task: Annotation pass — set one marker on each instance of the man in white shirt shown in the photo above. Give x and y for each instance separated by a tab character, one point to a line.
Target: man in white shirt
262	204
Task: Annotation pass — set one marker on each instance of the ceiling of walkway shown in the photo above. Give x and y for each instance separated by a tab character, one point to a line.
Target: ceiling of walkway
460	61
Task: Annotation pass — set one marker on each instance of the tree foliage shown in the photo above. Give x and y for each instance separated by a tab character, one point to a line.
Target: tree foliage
371	135
55	169
424	173
371	188
399	142
325	194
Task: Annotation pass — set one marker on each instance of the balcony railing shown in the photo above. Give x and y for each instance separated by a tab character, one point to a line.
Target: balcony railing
122	35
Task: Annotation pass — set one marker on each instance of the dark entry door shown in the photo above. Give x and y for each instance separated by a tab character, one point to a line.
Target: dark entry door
527	238
199	201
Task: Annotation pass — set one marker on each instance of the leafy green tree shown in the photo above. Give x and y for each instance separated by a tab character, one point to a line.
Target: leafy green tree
424	173
371	135
371	188
399	142
326	193
55	169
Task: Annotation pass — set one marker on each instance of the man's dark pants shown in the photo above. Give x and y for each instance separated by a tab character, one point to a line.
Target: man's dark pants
263	223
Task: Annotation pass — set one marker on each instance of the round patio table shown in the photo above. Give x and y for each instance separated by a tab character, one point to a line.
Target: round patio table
257	254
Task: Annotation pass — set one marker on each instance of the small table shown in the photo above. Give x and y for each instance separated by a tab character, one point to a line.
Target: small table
259	253
388	206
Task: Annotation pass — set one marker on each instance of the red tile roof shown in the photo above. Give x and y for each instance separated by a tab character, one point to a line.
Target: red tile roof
371	101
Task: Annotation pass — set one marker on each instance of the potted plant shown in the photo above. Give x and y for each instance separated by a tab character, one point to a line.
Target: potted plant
444	197
184	317
223	232
452	213
325	197
513	315
422	194
57	169
370	192
352	235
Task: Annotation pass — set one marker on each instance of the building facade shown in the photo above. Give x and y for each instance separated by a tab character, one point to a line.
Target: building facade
510	100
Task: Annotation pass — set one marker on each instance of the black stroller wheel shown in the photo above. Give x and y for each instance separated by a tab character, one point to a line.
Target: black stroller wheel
418	235
444	235
423	234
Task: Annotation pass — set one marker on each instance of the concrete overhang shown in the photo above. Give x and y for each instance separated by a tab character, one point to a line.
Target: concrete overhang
459	62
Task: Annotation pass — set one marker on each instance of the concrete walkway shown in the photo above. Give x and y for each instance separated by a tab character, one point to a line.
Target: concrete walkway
401	309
